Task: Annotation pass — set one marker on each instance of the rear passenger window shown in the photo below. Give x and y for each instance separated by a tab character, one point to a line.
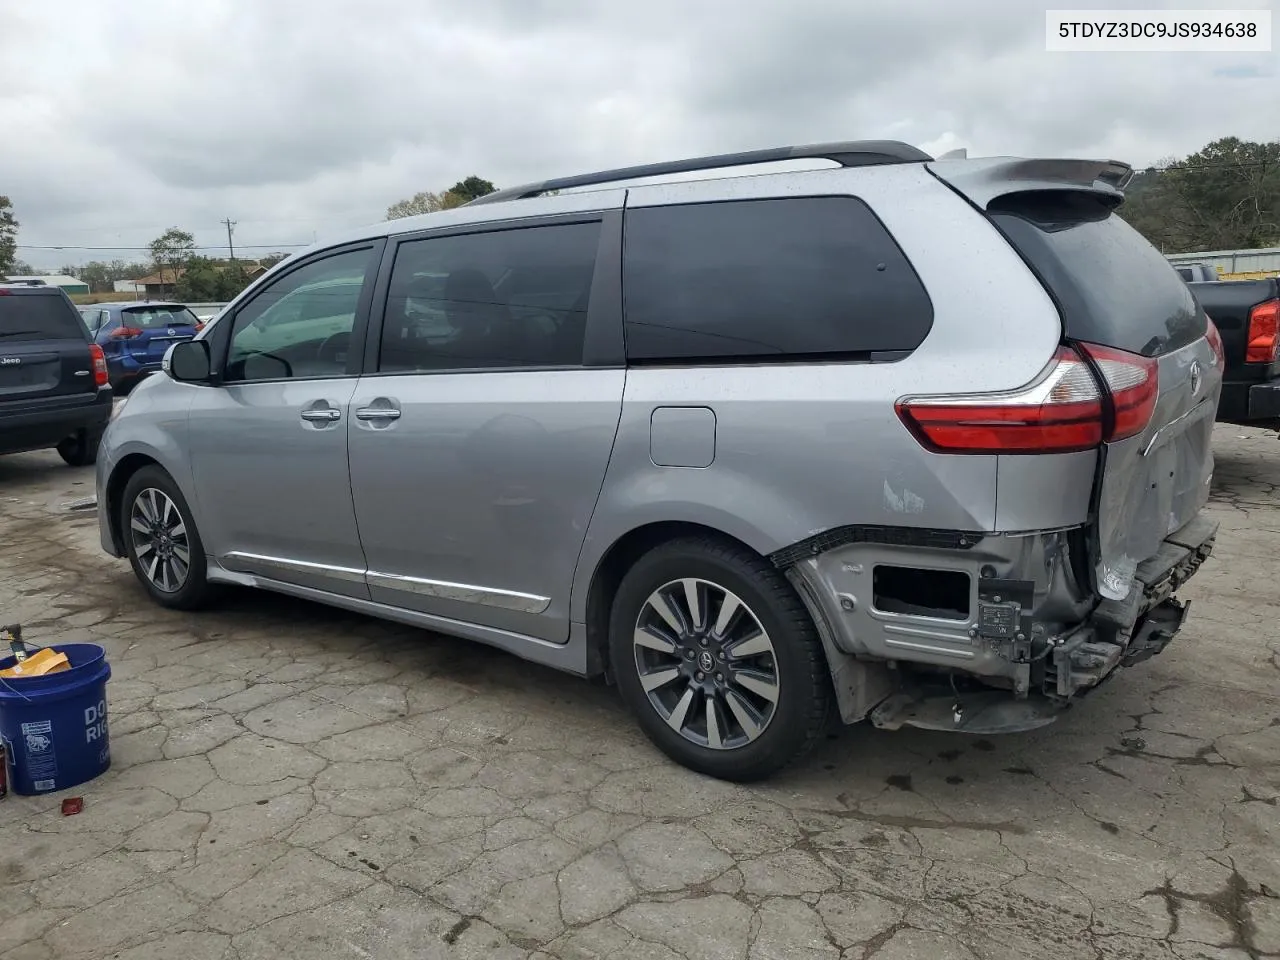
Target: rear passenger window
507	298
811	277
39	317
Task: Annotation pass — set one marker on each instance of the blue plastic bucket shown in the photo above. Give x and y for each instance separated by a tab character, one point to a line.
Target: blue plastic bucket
54	727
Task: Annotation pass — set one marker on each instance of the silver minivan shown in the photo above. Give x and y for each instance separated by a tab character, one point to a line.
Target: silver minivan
917	441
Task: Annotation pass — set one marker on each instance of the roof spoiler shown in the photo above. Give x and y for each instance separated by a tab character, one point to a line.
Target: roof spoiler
983	181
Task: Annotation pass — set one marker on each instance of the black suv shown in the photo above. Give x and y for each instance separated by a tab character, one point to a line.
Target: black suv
53	378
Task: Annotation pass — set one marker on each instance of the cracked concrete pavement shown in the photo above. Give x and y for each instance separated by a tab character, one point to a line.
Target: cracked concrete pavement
293	781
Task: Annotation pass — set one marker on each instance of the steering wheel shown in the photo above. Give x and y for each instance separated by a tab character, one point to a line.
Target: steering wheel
333	350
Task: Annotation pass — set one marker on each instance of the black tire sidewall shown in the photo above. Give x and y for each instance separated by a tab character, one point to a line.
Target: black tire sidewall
195	590
80	449
790	729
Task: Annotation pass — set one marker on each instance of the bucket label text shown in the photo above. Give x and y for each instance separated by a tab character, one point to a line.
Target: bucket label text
95	722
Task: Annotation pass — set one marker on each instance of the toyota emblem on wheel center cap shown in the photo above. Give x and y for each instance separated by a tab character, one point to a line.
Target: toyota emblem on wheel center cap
706	661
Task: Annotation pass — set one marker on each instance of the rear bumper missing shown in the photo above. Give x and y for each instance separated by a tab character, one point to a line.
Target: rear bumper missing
1137	628
1034	639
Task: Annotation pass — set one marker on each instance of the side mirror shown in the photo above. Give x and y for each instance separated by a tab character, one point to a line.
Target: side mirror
188	362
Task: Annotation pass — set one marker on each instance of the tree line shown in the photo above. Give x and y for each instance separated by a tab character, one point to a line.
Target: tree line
1225	196
464	191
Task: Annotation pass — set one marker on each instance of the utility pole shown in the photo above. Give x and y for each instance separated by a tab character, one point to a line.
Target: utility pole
230	224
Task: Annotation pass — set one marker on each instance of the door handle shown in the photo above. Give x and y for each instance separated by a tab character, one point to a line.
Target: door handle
377	413
323	415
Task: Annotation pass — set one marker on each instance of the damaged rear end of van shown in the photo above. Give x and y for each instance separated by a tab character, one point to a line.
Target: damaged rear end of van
998	630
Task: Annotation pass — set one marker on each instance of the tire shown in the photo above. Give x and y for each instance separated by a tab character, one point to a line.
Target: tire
724	575
81	448
173	535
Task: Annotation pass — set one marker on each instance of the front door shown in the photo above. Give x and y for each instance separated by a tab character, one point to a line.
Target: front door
479	441
269	440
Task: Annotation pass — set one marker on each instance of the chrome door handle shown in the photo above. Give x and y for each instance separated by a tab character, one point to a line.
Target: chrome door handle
324	415
377	413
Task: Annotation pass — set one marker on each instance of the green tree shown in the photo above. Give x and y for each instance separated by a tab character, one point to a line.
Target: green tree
231	280
464	191
199	280
471	188
171	250
8	237
1226	196
204	279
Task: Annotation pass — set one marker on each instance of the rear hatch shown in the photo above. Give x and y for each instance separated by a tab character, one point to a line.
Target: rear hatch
1115	290
44	346
156	327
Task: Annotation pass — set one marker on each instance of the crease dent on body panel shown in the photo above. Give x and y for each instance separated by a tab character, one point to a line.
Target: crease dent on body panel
907	502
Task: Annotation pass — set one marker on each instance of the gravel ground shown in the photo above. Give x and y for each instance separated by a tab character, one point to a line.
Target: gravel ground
291	781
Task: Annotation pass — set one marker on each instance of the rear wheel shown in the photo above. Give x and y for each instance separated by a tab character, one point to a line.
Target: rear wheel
718	659
162	542
81	448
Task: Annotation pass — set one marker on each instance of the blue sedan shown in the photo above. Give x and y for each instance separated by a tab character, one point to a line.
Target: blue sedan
135	336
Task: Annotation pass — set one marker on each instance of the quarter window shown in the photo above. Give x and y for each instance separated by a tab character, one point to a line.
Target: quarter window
501	299
300	325
777	279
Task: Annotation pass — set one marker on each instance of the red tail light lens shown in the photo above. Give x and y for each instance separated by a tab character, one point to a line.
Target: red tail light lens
1215	344
1061	412
1134	384
1264	333
125	333
99	365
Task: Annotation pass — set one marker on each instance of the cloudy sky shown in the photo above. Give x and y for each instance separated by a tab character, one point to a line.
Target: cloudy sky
300	118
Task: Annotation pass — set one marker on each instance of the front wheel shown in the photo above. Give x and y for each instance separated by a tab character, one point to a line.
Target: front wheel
162	542
718	659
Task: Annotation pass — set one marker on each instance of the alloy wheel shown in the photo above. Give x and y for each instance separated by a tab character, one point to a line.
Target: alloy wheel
160	540
706	663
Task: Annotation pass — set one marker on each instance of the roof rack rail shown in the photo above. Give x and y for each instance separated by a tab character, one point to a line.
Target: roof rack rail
852	153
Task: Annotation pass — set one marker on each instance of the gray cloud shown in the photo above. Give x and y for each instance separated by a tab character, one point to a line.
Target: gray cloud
298	119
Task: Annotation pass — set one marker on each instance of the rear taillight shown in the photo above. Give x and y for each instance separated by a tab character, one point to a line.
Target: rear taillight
1215	344
125	333
1134	384
1062	412
99	365
1264	333
199	325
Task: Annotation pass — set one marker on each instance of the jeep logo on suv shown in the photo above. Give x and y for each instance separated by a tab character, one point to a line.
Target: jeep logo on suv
10	361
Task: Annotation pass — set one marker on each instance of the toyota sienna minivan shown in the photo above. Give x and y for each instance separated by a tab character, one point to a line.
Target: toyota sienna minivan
918	441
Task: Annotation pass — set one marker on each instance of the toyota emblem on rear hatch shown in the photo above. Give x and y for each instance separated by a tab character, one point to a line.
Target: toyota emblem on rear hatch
172	331
1197	378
